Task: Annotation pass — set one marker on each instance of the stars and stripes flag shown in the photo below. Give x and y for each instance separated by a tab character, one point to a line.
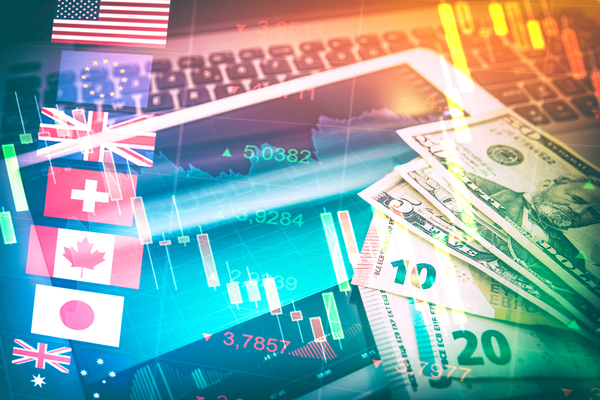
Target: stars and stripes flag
42	356
93	137
138	23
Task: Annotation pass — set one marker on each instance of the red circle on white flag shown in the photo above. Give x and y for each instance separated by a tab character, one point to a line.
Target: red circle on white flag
76	315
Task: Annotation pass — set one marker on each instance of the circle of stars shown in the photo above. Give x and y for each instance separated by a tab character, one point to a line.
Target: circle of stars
101	95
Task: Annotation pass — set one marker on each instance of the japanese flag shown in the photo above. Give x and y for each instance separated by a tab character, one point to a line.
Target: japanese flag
77	315
85	256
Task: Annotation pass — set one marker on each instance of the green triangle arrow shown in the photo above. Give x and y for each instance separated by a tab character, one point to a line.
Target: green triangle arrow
589	185
581	255
573	325
226	153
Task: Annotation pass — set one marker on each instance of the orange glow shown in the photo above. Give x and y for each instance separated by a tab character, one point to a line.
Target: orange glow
454	44
464	17
596	82
571	44
485	32
535	34
498	19
517	25
550	27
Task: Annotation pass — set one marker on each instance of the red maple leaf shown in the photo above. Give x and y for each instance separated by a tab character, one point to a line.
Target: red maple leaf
83	256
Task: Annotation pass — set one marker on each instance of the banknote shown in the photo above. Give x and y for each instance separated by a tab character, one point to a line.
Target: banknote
542	193
393	196
397	261
494	238
431	352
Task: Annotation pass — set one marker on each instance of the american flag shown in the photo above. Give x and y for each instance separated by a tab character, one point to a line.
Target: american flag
41	356
139	23
92	138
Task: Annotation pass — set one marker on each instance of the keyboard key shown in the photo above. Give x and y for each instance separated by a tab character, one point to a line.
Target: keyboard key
556	47
135	84
568	86
472	61
159	65
500	55
97	91
228	90
340	43
27	100
66	94
127	70
307	62
262	83
510	95
66	77
11	123
368	40
191	62
272	67
159	102
170	80
532	114
585	105
367	53
401	46
503	75
241	71
224	57
312	46
423	32
25	83
540	91
550	67
435	44
24	67
341	57
395	37
281	50
206	75
560	111
193	97
250	54
94	74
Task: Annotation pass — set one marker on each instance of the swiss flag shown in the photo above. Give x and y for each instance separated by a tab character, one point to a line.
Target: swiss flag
85	256
84	195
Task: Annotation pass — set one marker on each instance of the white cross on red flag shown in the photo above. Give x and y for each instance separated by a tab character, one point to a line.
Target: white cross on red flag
92	137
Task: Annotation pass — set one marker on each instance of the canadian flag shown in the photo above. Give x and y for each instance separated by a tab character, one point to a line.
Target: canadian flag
84	195
85	256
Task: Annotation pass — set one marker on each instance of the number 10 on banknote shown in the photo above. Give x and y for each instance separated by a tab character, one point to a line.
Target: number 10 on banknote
541	192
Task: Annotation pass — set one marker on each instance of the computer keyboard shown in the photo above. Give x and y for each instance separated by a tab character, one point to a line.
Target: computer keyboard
537	84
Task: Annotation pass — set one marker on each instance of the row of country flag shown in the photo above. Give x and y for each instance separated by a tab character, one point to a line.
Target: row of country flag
103	196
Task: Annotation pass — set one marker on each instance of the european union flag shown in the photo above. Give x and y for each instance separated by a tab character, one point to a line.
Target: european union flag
116	80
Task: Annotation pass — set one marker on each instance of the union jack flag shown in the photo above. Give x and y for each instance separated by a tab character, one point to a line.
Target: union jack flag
93	137
41	356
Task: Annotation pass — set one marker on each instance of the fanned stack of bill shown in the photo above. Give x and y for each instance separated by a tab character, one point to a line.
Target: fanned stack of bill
490	245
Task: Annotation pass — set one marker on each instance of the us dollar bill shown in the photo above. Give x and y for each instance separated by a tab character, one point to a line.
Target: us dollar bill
397	199
542	193
494	238
397	261
431	349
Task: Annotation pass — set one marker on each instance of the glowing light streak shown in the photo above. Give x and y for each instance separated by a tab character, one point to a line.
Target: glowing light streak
111	177
141	220
6	225
548	23
535	34
498	19
208	261
14	177
517	25
333	316
464	17
465	83
569	39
